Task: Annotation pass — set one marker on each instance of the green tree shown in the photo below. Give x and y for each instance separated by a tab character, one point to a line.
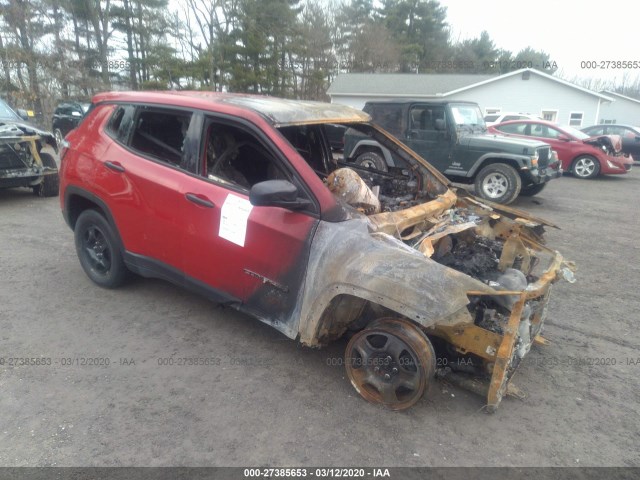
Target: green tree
477	55
420	29
263	37
536	59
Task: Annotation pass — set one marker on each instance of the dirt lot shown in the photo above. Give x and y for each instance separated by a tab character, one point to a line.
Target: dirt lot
266	400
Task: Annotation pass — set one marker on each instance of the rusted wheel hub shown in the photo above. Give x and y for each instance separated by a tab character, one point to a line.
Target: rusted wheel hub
391	363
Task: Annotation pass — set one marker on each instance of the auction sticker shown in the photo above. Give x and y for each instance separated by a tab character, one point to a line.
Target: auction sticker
233	219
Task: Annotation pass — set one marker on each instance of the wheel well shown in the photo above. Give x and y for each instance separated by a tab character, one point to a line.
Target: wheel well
364	149
493	161
76	204
348	312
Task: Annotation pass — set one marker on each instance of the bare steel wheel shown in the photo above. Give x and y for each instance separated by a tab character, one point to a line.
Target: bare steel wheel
391	362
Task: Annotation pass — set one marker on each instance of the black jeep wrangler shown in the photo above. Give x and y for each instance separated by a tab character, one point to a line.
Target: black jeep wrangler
451	135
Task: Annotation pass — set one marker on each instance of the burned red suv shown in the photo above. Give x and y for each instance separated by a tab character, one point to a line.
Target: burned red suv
241	198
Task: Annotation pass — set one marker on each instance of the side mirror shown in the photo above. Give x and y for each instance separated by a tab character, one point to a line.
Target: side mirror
75	113
22	113
439	124
563	138
277	193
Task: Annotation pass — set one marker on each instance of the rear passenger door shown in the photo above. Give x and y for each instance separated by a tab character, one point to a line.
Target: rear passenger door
143	173
256	255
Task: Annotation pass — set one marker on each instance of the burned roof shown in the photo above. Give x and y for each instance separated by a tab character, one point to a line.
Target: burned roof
279	111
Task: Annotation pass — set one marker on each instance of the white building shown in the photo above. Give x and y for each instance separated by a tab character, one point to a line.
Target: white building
523	91
624	110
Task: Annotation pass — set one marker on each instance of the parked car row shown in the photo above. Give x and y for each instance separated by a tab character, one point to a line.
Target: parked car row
583	155
452	136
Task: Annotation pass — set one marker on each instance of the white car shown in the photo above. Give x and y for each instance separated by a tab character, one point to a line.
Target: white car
495	118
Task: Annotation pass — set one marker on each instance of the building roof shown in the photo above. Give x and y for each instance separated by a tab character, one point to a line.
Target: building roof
402	84
430	84
619	95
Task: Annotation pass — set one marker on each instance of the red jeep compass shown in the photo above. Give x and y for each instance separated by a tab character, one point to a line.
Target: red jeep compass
242	199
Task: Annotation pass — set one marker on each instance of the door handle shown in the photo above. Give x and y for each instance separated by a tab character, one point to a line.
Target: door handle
199	200
115	166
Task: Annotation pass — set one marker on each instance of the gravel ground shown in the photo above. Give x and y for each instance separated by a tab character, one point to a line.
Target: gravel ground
266	400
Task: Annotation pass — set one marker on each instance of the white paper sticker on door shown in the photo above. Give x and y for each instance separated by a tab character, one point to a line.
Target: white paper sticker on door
233	219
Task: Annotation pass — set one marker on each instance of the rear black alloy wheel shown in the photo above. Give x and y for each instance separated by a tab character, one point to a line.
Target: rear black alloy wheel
98	250
391	362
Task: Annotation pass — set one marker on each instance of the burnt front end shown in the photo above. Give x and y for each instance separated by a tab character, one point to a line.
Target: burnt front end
503	250
483	352
20	162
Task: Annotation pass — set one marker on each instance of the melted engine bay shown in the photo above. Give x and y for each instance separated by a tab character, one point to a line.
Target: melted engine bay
504	252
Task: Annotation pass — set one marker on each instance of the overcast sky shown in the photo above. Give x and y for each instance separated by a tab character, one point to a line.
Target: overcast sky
570	31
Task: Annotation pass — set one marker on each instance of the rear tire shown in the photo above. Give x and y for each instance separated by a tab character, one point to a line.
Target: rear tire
498	183
98	250
532	190
50	183
372	160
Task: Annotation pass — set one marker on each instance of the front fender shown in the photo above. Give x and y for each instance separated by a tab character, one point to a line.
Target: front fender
347	259
518	161
371	145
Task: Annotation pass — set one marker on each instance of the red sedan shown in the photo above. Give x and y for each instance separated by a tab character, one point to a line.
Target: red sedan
580	154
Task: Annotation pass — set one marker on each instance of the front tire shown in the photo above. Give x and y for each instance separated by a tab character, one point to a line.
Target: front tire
498	183
391	362
50	183
532	190
585	166
98	250
372	160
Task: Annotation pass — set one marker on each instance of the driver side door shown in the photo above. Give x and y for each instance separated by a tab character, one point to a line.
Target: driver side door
254	257
428	134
